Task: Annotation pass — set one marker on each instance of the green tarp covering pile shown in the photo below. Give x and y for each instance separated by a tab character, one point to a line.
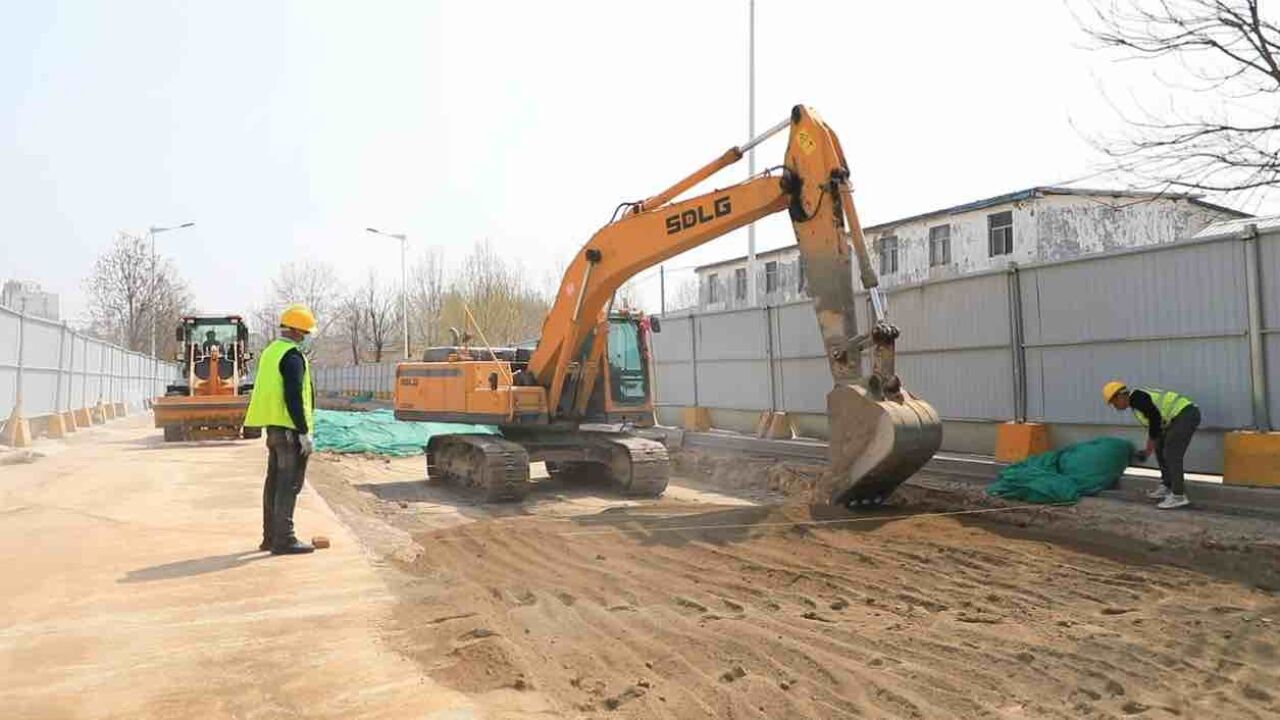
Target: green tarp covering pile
378	432
1064	476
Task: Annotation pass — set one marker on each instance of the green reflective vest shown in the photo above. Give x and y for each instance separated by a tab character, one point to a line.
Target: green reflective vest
1168	402
266	404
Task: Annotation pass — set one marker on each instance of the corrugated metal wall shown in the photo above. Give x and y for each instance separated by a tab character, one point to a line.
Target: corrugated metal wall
62	370
370	378
1174	316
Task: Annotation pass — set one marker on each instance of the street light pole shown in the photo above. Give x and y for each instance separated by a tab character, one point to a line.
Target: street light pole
404	284
152	231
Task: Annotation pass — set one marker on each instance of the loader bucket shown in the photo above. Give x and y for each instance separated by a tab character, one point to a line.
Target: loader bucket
876	445
200	416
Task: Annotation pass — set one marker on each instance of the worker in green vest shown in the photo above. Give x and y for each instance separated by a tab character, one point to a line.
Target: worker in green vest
1171	419
283	402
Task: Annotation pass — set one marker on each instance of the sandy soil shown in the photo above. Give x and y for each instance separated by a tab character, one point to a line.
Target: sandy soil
734	604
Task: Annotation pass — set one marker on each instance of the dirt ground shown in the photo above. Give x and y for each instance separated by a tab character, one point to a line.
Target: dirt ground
724	600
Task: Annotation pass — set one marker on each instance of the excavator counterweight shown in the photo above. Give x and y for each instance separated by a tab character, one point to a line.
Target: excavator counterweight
591	365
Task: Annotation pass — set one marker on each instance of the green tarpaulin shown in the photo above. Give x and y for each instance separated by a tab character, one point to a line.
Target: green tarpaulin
378	432
1064	476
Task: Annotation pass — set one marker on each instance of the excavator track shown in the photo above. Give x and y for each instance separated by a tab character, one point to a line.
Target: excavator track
494	468
640	467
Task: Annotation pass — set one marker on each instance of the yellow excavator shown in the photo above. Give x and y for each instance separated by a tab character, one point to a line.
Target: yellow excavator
574	399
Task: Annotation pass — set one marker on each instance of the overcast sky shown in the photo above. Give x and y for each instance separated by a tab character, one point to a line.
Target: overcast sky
284	128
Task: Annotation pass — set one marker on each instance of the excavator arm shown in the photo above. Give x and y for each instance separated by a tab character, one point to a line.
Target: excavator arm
880	434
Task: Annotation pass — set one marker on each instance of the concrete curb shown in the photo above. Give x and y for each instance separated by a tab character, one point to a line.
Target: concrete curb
1238	500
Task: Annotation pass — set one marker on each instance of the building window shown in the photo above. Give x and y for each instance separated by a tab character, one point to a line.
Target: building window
740	284
771	276
940	245
713	288
1000	233
888	255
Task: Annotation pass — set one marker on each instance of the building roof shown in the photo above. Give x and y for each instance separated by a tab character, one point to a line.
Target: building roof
1225	229
1043	190
1027	194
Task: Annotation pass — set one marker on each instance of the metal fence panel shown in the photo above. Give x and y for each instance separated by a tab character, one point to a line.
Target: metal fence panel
797	334
735	335
62	370
1176	291
1215	373
962	384
965	313
803	385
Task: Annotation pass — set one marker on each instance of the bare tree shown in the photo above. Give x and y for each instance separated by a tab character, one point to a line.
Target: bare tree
1220	60
628	296
312	283
506	307
351	322
427	291
380	310
685	295
123	300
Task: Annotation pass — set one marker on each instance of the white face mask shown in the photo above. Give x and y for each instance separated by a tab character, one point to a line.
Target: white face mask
306	342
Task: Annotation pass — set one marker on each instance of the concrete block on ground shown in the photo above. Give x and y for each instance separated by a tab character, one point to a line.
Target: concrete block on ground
17	431
774	426
69	422
84	417
121	410
1251	458
1016	442
108	411
697	419
55	426
97	414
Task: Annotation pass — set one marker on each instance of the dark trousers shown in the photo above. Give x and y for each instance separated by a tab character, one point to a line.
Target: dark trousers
286	471
1171	448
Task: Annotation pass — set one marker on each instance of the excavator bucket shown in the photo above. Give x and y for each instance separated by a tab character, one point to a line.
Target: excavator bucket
876	445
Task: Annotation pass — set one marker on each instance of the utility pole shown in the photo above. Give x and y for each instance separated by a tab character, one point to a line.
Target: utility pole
404	284
751	154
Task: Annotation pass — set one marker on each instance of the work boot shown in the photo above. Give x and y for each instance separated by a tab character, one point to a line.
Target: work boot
297	547
1173	501
265	544
1160	493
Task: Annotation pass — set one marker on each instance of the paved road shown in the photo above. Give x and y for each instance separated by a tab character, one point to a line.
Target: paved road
131	586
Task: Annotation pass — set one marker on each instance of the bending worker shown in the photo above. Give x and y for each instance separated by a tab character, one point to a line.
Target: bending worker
1171	420
283	402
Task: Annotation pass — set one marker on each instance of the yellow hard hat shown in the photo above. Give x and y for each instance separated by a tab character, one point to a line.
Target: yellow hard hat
1112	389
298	317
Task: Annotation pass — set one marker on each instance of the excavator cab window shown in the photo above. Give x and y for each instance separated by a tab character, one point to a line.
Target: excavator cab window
628	374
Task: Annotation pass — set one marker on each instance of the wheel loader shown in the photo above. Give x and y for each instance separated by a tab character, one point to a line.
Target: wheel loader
211	399
574	400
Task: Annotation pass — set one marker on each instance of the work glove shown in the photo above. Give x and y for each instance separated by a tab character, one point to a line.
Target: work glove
305	443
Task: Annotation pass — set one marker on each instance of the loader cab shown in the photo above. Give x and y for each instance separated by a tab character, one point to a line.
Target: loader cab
213	346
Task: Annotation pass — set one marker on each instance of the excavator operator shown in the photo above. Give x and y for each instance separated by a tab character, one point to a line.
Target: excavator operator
283	402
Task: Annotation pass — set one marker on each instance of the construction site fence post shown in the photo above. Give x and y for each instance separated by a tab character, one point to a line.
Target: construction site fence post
1257	348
